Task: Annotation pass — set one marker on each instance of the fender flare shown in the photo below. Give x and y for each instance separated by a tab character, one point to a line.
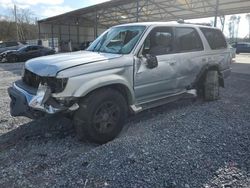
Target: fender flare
107	81
201	76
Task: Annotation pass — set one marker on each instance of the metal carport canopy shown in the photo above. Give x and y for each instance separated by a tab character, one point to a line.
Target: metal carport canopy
123	11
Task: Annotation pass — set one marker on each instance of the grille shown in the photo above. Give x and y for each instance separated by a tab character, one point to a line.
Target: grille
31	79
56	84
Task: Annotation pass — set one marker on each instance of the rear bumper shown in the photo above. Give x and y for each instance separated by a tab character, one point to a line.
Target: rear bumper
34	106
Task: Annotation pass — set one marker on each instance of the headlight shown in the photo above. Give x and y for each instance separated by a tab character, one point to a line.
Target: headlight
56	85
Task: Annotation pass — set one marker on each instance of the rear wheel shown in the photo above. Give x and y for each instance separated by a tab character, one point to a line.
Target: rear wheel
212	86
101	116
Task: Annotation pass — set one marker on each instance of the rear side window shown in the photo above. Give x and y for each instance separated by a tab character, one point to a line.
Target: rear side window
35	47
188	40
215	38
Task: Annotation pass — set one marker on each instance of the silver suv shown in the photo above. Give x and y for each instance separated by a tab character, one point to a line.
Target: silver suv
129	68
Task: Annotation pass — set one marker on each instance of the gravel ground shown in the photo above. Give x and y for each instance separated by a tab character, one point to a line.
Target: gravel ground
183	144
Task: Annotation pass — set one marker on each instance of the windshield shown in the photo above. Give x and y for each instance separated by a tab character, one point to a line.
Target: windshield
22	48
117	40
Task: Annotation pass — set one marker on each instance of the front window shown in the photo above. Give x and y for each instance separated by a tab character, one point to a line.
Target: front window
188	40
24	48
117	40
159	42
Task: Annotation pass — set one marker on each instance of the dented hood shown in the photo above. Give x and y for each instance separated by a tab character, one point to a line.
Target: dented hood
51	65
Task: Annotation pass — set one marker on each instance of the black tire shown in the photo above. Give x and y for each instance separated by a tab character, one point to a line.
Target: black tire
101	116
12	59
212	86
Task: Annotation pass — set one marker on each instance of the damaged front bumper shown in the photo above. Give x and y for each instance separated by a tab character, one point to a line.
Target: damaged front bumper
34	106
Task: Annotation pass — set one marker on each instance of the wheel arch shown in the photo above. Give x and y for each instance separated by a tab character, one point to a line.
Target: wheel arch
118	84
201	76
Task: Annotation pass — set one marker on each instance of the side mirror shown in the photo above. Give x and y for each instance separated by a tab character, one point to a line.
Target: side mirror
152	61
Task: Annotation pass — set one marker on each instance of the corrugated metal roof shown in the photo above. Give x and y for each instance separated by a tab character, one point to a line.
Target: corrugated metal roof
123	11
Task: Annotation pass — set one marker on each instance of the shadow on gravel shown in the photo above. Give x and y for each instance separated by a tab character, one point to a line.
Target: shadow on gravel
192	144
148	114
242	68
59	126
157	111
46	127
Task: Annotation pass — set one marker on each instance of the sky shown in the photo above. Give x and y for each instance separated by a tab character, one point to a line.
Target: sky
47	8
243	25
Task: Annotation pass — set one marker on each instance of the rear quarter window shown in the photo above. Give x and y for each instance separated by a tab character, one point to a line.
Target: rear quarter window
215	38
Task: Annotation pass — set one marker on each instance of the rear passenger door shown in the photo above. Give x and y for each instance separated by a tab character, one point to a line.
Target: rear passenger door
190	51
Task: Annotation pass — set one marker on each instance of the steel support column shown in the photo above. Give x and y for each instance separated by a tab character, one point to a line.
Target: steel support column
216	13
77	31
96	25
39	30
69	32
60	38
137	10
52	36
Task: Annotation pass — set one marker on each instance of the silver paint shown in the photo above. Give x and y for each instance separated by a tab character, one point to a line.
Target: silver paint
88	71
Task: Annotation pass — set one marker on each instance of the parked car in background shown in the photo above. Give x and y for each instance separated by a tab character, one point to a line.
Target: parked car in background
25	53
242	47
4	46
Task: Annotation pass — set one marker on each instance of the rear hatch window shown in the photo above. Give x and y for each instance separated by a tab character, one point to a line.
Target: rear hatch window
215	38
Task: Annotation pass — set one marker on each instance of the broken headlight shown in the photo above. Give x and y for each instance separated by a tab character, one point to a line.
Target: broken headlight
56	85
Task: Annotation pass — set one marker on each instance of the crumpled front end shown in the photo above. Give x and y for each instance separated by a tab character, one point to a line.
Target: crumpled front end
34	103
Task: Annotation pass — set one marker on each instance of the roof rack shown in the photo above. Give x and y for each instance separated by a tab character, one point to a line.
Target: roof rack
181	21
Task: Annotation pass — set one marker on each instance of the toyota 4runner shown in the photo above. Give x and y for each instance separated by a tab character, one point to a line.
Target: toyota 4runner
129	68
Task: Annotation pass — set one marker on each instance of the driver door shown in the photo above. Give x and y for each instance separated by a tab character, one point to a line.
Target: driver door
150	84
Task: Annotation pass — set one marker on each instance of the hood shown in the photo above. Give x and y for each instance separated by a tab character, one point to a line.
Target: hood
51	65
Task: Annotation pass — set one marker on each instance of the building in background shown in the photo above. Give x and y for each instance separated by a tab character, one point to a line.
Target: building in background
76	29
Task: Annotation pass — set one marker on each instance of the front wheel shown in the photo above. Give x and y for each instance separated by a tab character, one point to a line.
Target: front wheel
101	116
212	86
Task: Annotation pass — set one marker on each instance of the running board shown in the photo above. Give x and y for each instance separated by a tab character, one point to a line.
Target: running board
164	100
